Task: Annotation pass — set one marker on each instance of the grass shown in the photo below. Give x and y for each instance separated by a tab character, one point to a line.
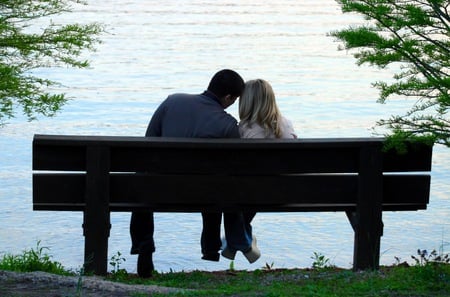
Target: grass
428	276
429	280
35	259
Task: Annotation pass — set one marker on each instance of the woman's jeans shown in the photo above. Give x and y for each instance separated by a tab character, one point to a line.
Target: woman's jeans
238	230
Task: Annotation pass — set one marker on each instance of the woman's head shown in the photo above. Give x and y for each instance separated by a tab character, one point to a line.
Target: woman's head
257	105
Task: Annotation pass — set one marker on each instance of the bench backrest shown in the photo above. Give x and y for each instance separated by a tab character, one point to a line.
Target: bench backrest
170	174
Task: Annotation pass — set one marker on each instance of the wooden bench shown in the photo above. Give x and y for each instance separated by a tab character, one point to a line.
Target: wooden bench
100	174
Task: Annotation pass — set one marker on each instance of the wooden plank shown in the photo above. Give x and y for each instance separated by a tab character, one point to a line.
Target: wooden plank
136	141
66	191
58	157
221	155
406	188
417	158
56	191
218	160
233	189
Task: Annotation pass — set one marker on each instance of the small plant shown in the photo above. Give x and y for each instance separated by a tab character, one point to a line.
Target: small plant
79	287
268	266
432	266
398	262
423	257
320	261
232	266
115	262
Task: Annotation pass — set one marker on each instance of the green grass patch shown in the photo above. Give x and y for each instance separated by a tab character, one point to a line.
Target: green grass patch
34	259
428	280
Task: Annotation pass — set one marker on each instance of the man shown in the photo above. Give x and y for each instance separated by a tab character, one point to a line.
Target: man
199	116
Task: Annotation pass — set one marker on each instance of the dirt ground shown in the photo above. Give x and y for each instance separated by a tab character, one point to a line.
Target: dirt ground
41	284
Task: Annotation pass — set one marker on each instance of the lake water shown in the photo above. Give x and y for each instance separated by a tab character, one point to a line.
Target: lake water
154	48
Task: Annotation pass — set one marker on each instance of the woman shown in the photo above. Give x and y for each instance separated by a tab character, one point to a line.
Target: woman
259	113
260	118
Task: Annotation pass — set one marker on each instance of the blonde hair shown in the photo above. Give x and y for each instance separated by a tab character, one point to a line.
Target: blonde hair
257	105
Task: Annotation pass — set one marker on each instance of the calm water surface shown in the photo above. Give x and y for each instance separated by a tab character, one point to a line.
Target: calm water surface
154	48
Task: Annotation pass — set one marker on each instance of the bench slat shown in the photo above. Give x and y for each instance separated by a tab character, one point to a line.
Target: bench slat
54	190
238	156
417	158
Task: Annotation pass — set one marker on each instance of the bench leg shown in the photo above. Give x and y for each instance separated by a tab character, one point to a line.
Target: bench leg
367	218
96	214
366	253
96	247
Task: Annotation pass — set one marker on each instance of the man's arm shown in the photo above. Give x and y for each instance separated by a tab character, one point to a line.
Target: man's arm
155	126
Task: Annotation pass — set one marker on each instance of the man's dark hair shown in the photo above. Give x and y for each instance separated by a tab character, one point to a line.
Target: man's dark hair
226	82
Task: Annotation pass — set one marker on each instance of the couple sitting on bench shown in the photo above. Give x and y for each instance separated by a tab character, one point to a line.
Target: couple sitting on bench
204	116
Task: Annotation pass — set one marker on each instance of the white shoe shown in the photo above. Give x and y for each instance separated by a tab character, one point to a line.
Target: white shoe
253	253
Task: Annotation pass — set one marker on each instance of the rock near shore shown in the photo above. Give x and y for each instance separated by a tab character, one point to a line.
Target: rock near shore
42	284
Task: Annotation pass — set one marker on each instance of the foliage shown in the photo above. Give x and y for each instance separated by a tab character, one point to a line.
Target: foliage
116	261
424	258
268	267
320	261
414	37
25	48
32	260
232	266
117	273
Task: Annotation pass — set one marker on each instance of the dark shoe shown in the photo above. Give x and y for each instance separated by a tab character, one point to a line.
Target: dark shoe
211	257
228	253
145	262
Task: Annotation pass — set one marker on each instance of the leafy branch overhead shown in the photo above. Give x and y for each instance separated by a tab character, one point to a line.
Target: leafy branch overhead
25	46
414	37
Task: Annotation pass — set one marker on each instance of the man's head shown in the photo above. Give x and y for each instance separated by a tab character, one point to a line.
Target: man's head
227	85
